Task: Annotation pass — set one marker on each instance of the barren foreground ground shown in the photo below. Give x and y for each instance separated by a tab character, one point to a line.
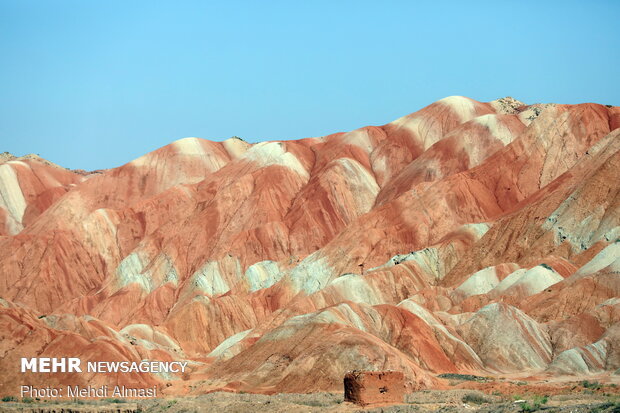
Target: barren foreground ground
573	397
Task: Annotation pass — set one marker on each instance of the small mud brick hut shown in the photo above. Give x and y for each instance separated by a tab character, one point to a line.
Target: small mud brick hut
374	387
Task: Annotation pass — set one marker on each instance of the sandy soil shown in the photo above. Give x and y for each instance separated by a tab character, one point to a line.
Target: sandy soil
465	393
455	400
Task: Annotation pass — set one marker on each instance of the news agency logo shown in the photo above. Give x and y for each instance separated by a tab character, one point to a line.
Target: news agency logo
73	365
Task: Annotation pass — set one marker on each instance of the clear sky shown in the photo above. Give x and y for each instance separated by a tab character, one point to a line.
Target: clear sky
94	84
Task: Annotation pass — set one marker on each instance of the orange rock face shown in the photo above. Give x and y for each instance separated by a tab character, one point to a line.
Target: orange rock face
467	237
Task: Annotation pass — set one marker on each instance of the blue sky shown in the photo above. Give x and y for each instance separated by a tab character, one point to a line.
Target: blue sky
95	84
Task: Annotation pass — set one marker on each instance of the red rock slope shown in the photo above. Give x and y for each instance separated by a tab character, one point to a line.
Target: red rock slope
466	237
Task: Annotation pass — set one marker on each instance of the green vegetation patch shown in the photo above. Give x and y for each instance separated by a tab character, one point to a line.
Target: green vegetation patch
464	377
535	405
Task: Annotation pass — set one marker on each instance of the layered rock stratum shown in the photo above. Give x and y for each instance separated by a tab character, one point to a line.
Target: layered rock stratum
467	237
